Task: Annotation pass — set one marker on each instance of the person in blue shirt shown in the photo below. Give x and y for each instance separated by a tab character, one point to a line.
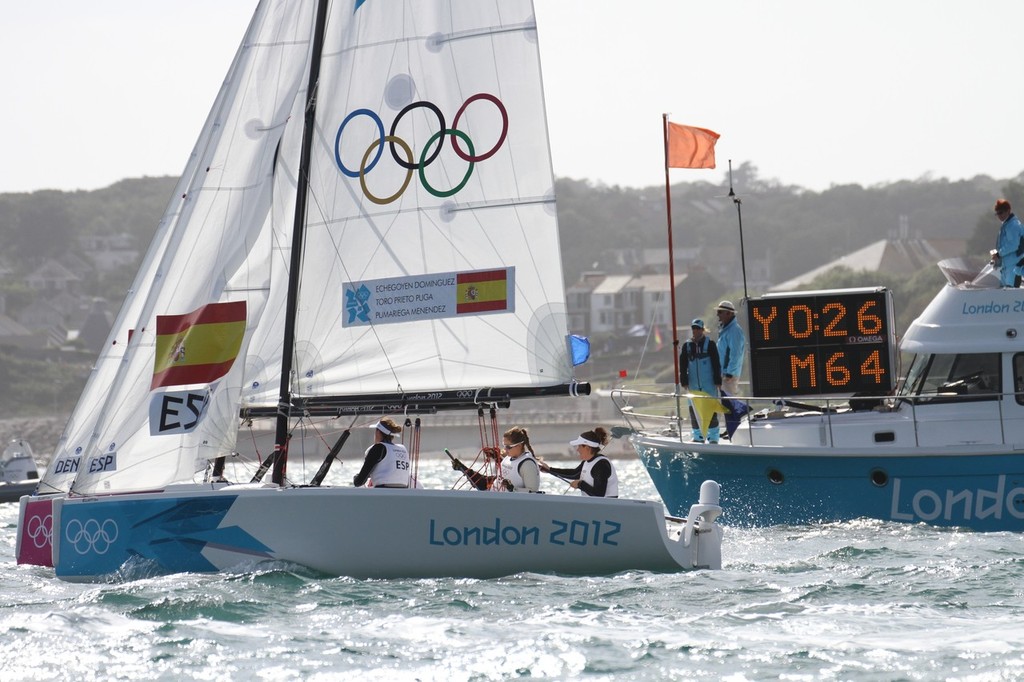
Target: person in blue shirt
700	369
1009	251
732	346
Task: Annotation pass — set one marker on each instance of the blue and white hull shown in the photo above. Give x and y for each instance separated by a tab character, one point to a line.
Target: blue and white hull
367	533
982	490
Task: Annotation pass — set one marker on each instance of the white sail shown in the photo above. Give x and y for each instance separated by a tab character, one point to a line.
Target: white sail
432	259
157	427
66	460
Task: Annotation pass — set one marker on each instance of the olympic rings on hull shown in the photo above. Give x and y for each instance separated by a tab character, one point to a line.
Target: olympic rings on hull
40	529
427	156
92	536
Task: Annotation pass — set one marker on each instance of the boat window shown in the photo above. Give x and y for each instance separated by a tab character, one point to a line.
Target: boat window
966	376
918	367
1018	377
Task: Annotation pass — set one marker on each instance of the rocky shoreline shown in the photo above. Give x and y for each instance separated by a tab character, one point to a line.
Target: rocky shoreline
550	431
42	433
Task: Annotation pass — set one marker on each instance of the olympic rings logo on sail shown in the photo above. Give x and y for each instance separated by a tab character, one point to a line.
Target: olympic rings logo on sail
427	155
40	529
91	536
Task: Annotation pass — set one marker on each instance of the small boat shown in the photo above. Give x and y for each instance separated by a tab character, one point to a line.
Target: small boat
944	445
19	474
366	227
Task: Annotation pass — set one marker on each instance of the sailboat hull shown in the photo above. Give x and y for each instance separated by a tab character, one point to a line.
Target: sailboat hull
34	544
981	490
367	533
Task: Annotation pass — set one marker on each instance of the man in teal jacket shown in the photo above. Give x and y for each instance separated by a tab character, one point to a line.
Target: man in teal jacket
1009	249
732	346
701	370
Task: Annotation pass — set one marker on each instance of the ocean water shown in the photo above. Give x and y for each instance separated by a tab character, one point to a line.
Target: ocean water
851	601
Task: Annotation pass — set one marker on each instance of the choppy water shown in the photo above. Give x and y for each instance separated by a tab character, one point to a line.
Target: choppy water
852	601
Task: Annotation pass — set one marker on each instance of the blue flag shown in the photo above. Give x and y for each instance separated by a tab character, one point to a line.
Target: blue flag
580	347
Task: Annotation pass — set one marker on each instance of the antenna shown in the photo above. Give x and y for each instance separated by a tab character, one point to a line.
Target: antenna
739	216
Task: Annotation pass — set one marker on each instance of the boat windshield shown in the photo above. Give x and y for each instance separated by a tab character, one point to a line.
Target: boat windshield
944	377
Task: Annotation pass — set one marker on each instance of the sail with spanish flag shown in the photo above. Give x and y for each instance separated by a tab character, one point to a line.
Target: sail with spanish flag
198	347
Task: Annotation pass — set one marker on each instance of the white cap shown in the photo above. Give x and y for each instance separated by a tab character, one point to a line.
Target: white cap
583	441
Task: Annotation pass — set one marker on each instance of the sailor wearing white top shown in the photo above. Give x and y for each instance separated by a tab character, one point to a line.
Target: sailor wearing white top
595	475
518	470
386	463
611	481
522	470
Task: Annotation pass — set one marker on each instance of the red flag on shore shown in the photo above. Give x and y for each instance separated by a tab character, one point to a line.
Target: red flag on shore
690	147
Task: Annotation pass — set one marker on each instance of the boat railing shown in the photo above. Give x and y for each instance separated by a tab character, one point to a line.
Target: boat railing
653	411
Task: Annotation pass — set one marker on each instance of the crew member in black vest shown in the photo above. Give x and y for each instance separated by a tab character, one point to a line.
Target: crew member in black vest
595	475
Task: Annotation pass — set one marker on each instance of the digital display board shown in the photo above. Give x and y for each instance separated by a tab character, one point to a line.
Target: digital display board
822	343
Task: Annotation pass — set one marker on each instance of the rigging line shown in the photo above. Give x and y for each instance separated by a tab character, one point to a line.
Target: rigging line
504	203
439	40
647	341
344	268
416	457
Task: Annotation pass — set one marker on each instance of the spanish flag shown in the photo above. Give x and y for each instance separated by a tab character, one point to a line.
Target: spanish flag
198	347
478	292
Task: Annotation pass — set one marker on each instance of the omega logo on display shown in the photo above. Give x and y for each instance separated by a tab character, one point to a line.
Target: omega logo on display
822	342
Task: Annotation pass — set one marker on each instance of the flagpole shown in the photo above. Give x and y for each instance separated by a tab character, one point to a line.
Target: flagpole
672	286
693	148
671	260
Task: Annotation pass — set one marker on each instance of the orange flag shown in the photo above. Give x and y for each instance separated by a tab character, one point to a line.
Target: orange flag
690	147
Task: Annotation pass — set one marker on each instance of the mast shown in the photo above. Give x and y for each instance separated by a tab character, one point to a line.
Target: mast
279	458
671	259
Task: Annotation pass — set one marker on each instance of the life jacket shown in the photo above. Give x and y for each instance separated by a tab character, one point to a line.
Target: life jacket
612	489
393	471
510	470
700	369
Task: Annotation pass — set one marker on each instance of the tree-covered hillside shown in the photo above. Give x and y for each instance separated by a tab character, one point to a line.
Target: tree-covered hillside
796	228
799	228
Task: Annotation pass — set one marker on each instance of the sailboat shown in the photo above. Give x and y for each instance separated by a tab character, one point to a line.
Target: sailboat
18	472
365	227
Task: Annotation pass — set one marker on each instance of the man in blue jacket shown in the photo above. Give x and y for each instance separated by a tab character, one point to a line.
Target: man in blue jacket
732	346
700	369
1009	246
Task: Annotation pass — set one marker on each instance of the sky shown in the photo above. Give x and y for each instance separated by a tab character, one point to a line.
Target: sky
814	93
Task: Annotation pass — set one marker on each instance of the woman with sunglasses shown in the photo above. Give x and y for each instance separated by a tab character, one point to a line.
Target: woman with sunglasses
595	475
518	470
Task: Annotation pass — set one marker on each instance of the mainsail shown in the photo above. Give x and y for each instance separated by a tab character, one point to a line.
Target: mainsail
430	267
432	259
